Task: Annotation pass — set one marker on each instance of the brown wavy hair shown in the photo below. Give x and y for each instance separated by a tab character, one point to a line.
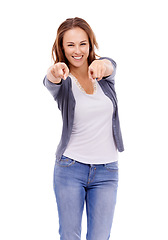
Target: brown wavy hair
57	49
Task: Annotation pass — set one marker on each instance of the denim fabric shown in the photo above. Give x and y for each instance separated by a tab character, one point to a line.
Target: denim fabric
76	183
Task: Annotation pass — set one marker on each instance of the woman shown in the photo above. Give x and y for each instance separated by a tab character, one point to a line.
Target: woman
86	168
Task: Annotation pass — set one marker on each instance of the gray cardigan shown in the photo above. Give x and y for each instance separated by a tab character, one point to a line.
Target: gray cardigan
62	93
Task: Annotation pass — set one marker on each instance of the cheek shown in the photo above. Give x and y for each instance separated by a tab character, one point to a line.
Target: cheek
87	51
67	52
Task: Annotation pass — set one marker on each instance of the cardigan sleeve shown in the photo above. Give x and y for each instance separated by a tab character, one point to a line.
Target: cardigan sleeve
52	87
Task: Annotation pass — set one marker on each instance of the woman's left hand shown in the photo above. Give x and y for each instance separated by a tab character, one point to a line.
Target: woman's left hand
100	68
97	70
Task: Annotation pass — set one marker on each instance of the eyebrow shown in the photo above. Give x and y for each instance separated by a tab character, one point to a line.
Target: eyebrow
84	41
80	41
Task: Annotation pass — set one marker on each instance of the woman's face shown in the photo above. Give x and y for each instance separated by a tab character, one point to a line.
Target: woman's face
76	47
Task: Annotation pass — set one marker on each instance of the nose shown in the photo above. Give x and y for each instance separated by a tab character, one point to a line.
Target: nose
77	49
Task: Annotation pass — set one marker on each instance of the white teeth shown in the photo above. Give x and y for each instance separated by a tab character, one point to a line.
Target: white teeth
77	58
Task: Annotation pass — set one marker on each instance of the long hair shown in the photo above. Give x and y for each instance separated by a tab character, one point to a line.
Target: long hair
57	49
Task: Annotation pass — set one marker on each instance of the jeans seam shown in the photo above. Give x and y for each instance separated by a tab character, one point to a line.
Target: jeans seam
88	218
111	170
92	177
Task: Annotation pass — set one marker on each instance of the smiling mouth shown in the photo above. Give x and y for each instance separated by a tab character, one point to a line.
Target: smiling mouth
77	58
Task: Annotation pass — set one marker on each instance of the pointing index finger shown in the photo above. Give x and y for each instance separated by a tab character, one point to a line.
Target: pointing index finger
65	70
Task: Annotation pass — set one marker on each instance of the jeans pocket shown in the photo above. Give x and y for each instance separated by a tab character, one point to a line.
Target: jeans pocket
65	162
113	166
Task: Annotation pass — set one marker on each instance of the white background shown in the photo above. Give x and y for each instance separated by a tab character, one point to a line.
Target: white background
134	34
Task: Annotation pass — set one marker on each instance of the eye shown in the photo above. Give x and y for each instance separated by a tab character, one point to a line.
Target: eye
83	43
70	45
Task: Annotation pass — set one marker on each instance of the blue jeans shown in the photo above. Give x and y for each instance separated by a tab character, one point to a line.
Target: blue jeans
76	183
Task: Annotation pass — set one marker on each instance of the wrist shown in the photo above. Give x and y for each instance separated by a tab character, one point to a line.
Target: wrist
109	67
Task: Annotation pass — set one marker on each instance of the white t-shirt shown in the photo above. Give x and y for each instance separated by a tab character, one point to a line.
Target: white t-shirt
91	141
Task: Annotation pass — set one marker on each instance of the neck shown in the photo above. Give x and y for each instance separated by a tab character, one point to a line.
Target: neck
79	71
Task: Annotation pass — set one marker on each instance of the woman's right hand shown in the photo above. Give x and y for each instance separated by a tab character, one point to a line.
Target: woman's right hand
57	72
